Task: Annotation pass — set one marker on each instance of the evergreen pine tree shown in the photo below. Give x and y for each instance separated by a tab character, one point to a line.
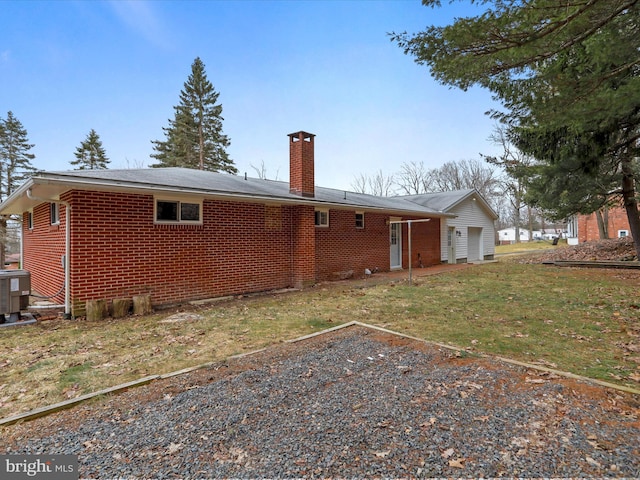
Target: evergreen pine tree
90	155
15	159
194	138
566	73
15	165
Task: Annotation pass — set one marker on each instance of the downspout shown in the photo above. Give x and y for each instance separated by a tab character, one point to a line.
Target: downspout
21	264
67	254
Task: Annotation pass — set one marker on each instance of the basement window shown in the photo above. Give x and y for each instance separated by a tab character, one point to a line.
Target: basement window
178	211
359	219
623	233
322	218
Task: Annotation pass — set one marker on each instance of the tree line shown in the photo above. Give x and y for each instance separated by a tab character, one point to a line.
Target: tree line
193	138
497	178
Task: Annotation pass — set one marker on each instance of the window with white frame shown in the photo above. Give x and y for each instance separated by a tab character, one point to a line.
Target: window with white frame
359	219
54	209
623	233
178	211
30	220
322	218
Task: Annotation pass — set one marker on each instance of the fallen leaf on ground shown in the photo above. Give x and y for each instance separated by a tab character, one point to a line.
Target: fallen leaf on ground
593	462
174	448
448	452
382	454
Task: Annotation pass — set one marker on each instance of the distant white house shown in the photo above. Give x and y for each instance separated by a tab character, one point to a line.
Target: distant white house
548	234
507	236
470	236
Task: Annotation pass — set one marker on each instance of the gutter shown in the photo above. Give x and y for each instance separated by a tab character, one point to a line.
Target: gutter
67	255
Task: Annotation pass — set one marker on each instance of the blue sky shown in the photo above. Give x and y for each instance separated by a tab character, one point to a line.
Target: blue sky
326	67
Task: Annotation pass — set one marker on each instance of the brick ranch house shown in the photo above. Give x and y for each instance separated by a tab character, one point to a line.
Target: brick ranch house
180	234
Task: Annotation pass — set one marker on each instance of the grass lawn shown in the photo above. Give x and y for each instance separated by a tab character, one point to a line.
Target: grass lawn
579	320
529	247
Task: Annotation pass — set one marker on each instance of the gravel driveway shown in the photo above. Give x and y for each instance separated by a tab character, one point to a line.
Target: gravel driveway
356	402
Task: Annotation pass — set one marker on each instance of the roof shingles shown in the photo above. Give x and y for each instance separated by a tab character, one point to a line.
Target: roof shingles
222	184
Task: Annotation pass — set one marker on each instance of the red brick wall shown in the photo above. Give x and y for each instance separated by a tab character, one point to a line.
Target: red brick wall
341	247
425	241
117	250
588	225
44	247
304	247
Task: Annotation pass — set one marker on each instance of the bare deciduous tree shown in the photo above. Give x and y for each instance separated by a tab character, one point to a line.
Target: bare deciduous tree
516	166
462	175
378	184
134	164
261	171
360	183
412	178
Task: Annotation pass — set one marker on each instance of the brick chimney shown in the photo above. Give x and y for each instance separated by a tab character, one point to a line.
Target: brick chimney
301	176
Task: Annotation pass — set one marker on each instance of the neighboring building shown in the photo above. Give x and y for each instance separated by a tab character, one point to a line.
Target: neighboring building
12	261
181	234
507	236
549	234
469	236
617	225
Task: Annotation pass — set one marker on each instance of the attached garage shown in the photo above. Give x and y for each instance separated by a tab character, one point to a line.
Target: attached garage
469	235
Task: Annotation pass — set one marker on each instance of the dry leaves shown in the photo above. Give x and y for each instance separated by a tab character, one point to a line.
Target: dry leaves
457	463
453	462
620	249
382	454
174	448
448	453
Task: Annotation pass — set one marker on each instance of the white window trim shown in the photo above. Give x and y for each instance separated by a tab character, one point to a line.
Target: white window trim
197	201
30	220
623	233
321	225
360	213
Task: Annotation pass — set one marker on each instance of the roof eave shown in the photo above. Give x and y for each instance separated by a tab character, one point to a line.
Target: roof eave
18	201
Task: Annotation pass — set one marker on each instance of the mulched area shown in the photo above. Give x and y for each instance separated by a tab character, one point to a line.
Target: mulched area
356	402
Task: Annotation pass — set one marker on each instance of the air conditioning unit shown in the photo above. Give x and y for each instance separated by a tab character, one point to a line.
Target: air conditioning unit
15	288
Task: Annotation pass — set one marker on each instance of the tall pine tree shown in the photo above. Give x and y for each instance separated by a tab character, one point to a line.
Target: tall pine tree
15	165
194	138
15	159
90	155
